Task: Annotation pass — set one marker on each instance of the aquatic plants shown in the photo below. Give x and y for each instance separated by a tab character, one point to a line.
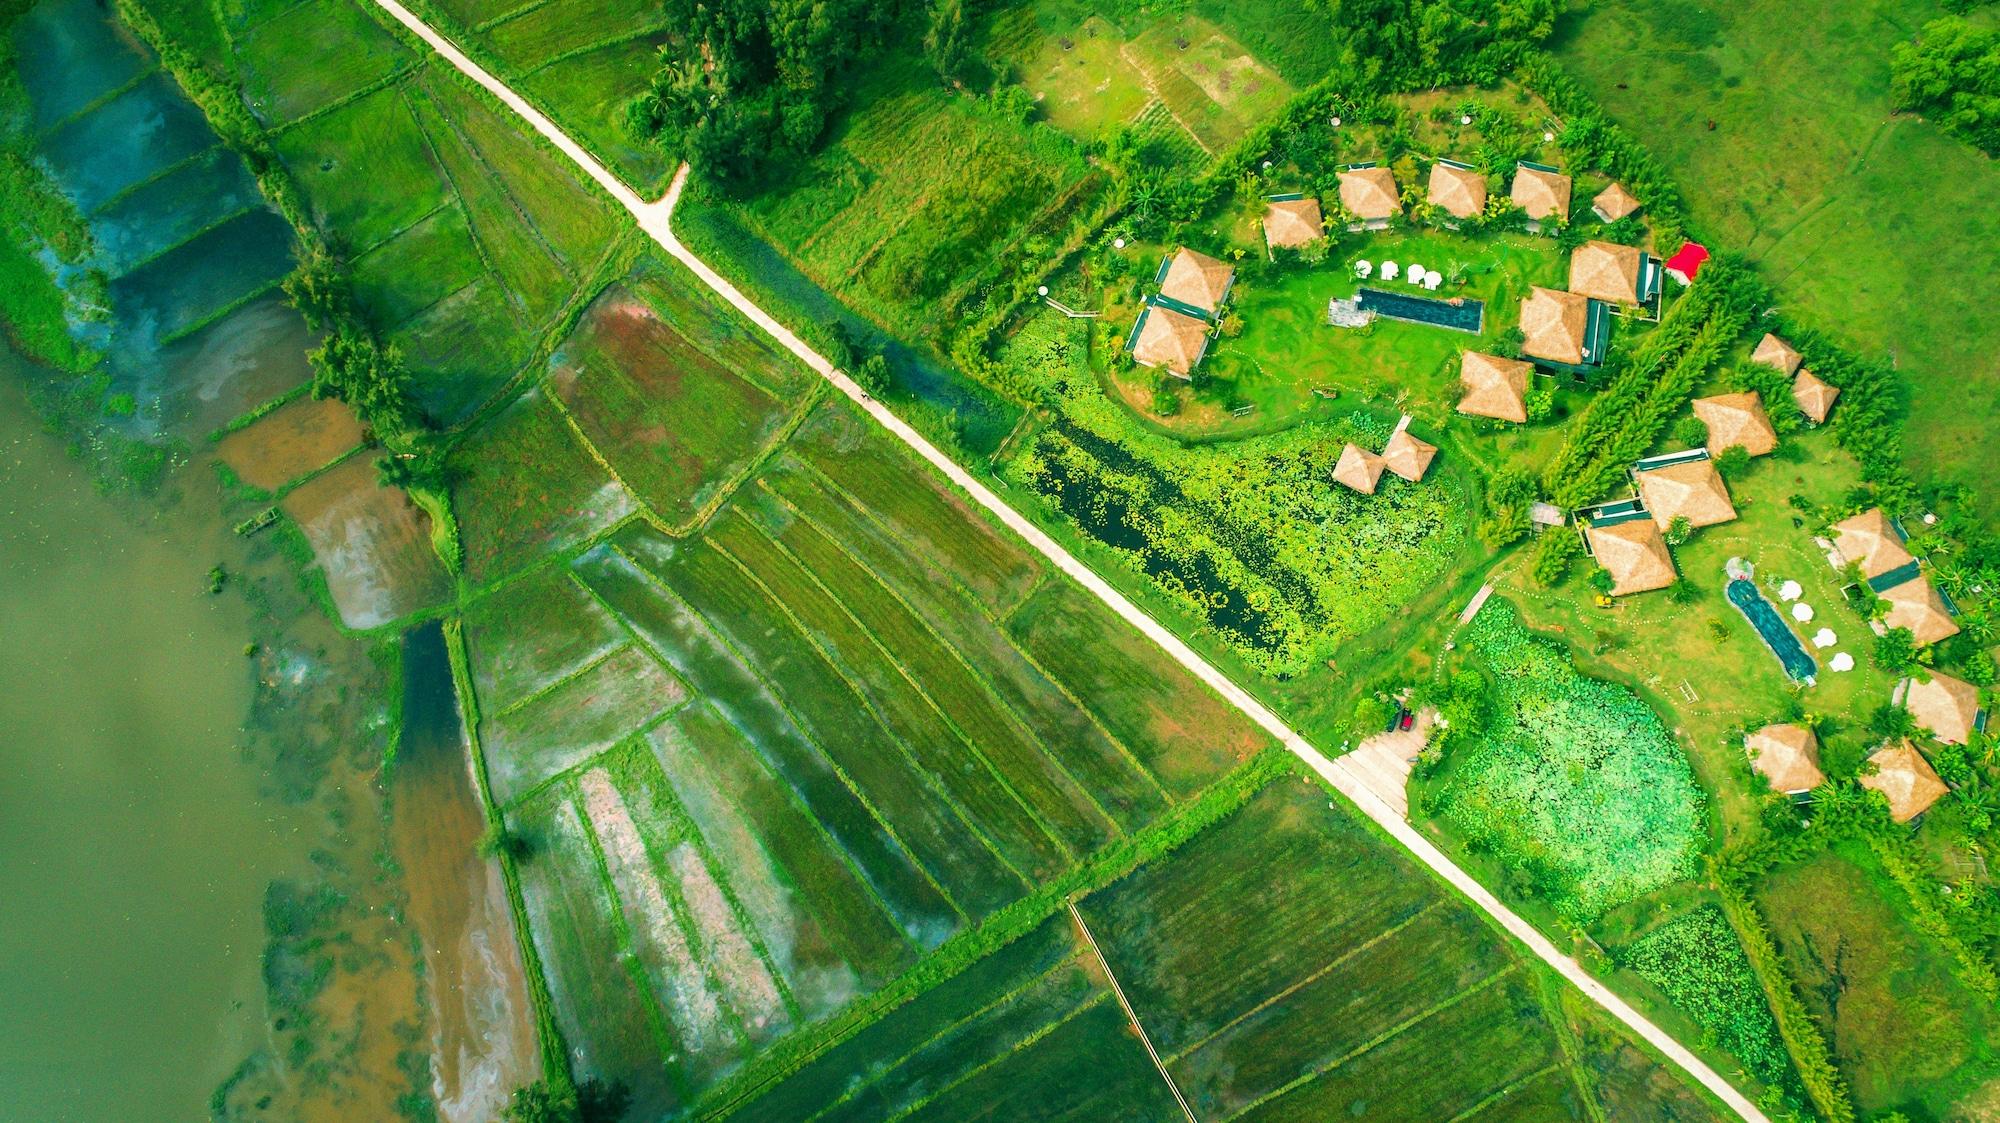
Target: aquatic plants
1697	962
1576	785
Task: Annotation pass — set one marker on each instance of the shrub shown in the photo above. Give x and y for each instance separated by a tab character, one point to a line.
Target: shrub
1553	555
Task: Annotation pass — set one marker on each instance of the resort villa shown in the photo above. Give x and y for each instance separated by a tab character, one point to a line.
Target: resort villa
1736	420
1407	456
1542	193
1813	394
1459	190
1403	454
1614	203
1906	779
1683	485
1787	756
1874	542
1493	387
1947	706
1173	328
1291	221
1629	547
1610	272
1564	329
1368	193
1358	469
1196	281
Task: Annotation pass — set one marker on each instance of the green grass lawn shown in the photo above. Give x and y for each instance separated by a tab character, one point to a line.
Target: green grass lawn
1775	118
1287	348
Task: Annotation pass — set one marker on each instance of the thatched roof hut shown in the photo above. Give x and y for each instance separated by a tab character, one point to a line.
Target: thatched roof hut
1614	203
1494	387
1634	554
1787	756
1606	271
1458	189
1871	541
1541	192
1906	778
1690	489
1915	605
1736	420
1291	223
1775	352
1370	194
1170	339
1358	469
1555	325
1197	280
1947	706
1407	456
1814	395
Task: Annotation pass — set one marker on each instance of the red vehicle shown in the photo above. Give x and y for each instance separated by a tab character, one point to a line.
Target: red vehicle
1409	719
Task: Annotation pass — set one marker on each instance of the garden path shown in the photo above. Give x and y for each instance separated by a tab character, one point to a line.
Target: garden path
654	218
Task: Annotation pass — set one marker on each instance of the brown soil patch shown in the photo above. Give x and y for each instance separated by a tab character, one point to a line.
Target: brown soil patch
372	543
298	437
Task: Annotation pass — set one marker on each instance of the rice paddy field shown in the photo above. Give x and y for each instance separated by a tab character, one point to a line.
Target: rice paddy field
1775	118
774	714
482	238
1281	966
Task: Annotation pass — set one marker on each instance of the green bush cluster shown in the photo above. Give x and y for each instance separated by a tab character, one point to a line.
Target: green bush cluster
1952	73
1576	786
1697	962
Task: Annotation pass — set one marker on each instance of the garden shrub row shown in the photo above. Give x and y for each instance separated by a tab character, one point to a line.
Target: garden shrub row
1811	1056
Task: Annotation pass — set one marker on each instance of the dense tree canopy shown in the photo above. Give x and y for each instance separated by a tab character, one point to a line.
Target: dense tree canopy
1952	73
1412	43
744	80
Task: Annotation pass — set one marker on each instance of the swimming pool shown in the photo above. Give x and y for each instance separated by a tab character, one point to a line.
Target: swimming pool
1763	616
1466	315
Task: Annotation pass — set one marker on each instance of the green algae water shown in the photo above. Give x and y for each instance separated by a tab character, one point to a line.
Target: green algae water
134	850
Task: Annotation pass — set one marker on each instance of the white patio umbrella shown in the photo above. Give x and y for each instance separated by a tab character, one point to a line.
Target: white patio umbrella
1416	274
1825	638
1802	612
1432	280
1363	269
1790	591
1841	661
1389	270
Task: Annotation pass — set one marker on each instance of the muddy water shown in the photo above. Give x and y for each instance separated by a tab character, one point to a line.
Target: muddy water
482	1033
134	850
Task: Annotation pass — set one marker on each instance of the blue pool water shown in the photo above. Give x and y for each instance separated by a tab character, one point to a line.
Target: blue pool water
1464	316
1764	617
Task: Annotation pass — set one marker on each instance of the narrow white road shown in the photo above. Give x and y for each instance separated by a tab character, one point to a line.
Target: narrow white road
653	219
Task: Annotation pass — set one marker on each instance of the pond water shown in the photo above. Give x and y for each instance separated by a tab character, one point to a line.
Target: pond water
986	417
134	850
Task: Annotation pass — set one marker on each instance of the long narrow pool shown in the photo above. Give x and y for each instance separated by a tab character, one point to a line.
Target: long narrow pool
1778	636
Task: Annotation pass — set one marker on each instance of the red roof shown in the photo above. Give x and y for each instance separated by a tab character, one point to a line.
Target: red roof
1687	261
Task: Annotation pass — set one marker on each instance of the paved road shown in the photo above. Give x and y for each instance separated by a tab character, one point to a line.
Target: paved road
653	218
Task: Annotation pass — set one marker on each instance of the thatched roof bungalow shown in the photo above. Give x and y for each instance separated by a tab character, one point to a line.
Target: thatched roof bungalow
1458	190
1787	756
1947	706
1814	395
1358	469
1633	552
1559	327
1369	193
1291	221
1407	456
1690	489
1541	192
1196	280
1494	387
1614	203
1169	339
1775	352
1736	420
1872	541
1611	272
1906	779
1916	605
